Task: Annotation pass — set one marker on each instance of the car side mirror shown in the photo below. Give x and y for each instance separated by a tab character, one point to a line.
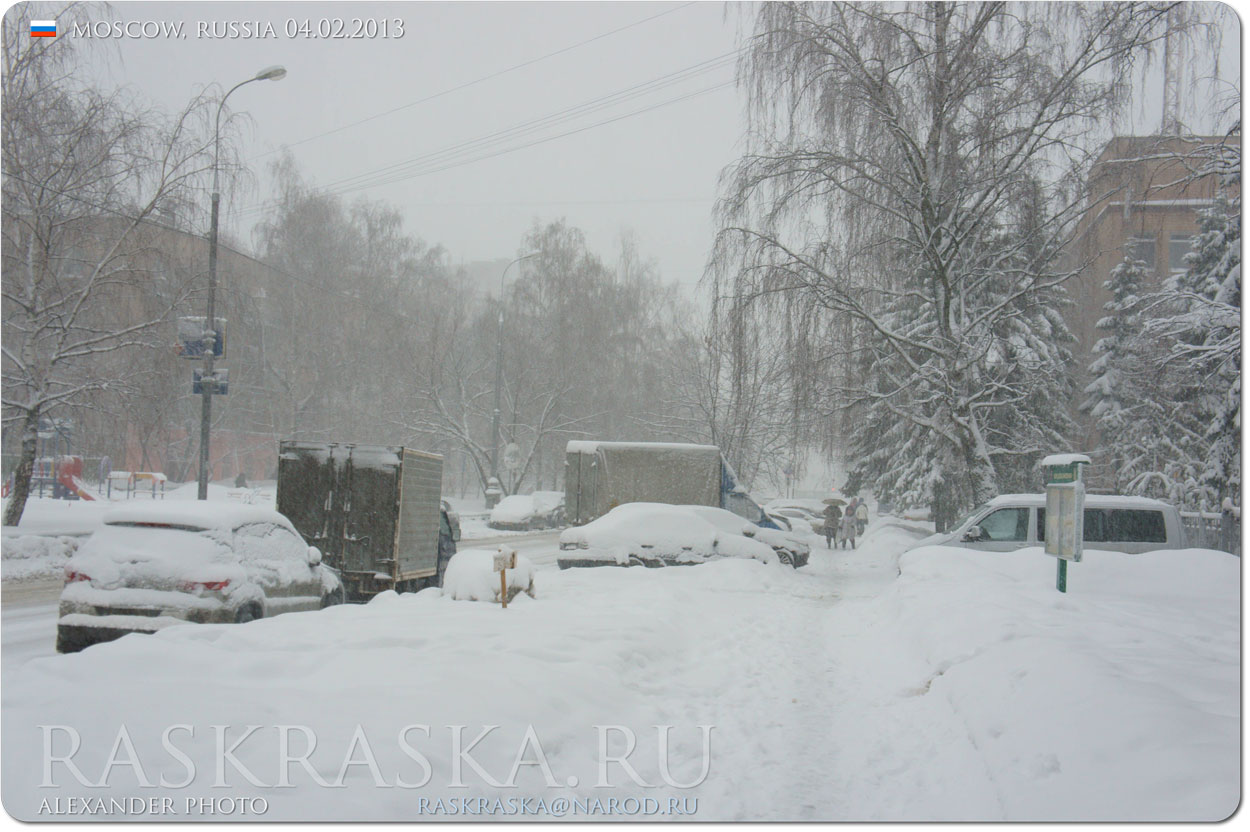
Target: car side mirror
973	534
314	556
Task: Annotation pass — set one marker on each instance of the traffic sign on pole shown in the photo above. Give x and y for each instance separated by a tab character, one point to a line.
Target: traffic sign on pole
219	383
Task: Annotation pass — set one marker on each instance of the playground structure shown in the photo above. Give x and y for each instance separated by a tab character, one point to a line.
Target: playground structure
128	482
63	477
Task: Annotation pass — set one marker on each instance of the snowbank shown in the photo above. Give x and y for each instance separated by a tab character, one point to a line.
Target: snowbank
964	688
1118	700
263	494
627	651
49	517
32	557
471	576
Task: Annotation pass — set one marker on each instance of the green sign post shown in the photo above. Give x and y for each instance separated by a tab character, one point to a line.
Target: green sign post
1065	511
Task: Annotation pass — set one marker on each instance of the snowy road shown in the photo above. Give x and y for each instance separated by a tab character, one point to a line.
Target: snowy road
27	622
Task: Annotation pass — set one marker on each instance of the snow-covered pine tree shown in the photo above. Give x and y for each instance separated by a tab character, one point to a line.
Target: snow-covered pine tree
1114	398
1198	327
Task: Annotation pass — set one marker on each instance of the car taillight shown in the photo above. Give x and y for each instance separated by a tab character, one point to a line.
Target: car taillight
192	586
72	577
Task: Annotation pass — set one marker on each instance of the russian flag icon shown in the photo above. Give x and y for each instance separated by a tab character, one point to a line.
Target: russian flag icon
43	28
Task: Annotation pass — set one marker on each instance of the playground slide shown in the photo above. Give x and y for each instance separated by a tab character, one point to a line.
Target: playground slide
76	485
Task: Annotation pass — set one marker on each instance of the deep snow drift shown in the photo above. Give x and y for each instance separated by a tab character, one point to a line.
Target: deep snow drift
34	557
965	687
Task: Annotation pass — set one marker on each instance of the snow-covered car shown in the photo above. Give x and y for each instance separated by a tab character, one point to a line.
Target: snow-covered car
789	548
153	565
522	512
799	519
658	534
803	515
1116	523
785	524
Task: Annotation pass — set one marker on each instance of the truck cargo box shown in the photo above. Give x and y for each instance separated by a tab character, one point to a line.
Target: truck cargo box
373	510
599	476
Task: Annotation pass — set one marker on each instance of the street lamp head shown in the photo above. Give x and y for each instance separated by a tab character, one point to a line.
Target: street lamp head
271	73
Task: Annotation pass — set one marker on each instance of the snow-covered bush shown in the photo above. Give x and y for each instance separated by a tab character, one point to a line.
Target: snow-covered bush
35	556
471	576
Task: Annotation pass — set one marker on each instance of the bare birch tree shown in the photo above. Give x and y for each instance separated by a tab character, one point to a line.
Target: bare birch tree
83	173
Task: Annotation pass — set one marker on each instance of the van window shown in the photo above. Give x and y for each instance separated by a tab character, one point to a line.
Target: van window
1136	526
1118	525
1006	524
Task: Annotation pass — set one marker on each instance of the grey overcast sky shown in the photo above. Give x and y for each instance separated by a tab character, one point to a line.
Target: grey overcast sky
654	172
651	168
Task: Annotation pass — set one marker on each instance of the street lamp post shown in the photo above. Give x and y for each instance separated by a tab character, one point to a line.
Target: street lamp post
494	431
207	382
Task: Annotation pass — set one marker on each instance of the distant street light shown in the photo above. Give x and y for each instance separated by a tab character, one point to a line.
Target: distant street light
494	444
273	73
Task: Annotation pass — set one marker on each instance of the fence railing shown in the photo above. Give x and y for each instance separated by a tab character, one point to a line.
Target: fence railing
1212	530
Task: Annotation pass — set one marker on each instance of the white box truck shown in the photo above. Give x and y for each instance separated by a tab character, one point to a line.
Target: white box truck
599	476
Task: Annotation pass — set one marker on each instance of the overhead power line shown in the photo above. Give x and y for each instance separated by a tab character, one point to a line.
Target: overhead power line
503	141
505	151
476	81
534	125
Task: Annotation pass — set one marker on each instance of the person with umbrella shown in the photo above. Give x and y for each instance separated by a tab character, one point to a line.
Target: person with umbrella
833	519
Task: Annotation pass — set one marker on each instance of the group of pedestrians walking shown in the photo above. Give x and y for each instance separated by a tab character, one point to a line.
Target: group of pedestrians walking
843	526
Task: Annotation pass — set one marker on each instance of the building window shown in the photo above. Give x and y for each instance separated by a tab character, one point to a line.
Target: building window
1178	247
1143	249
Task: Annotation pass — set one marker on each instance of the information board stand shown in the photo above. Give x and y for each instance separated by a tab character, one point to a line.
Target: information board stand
1065	511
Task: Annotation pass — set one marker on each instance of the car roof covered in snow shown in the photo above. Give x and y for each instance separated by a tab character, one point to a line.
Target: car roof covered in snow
592	446
200	514
1091	501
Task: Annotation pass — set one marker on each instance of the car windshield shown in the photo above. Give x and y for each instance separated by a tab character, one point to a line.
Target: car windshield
963	521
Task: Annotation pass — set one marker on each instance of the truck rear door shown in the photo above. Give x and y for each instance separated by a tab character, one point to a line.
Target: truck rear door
306	483
368	509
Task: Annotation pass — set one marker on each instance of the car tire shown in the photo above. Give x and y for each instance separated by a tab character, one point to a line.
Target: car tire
786	559
246	614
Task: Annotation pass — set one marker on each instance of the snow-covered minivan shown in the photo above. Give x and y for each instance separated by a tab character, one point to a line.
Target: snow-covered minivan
1016	521
152	565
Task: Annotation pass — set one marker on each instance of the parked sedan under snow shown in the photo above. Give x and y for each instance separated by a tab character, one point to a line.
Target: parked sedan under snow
657	534
522	512
151	566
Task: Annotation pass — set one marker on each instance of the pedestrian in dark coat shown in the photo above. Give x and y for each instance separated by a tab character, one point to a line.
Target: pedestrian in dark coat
833	519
